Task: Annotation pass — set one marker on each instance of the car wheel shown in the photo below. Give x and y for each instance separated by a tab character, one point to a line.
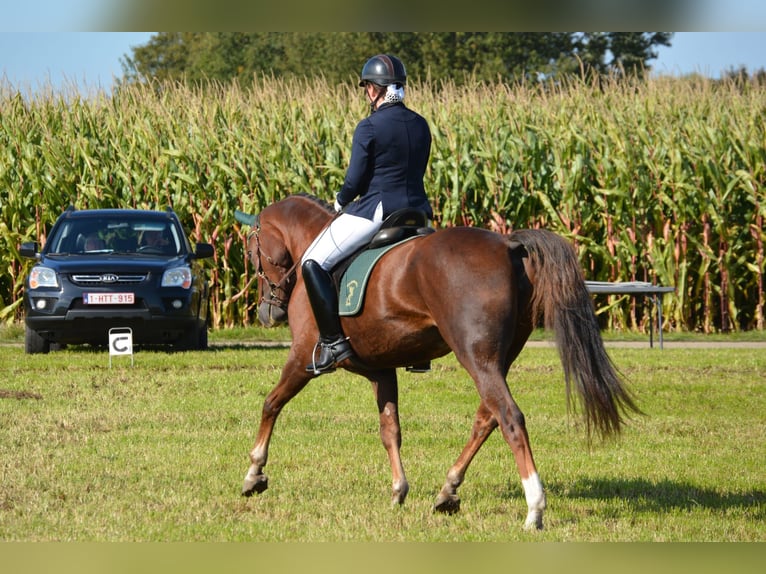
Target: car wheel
202	340
34	343
195	340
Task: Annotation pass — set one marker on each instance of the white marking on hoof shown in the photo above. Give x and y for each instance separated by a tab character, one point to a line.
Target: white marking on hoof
533	492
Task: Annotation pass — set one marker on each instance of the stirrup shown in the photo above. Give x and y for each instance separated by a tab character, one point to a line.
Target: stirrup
330	355
420	367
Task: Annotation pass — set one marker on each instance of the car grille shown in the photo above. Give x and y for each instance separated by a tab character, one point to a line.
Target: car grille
107	279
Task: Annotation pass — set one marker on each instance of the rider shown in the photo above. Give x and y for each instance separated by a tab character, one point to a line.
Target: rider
389	155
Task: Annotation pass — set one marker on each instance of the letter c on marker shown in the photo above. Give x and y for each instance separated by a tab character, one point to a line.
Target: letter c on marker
120	348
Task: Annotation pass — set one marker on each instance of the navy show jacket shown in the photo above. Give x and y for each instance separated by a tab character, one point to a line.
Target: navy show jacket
389	154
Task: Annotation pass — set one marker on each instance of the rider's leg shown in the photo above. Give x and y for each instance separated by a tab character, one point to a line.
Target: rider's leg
342	237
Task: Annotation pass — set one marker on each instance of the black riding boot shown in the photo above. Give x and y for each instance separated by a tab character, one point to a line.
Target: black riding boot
323	296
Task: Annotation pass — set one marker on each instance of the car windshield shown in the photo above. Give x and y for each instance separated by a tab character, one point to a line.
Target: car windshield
116	235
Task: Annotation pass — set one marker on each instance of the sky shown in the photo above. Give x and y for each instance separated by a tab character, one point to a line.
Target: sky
32	61
710	53
62	44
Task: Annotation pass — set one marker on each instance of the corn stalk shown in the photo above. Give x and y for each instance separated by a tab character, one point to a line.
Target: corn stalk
657	180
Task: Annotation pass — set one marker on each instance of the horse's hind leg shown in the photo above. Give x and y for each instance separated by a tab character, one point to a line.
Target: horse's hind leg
511	422
497	409
386	391
484	423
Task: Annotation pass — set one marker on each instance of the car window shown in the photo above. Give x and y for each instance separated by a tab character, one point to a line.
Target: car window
116	235
62	241
158	238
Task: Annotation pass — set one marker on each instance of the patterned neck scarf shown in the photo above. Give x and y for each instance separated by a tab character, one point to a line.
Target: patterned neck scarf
394	94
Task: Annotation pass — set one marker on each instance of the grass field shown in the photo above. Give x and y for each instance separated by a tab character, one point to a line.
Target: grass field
157	451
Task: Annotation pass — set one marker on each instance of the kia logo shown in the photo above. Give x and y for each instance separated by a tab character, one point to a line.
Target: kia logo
109	278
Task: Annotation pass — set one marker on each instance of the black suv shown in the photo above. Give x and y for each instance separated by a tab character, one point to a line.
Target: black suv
105	268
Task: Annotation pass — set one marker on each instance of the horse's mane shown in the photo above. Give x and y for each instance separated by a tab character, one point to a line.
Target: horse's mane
318	200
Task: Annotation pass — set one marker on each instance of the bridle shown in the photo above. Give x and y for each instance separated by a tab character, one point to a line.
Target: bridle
273	298
283	284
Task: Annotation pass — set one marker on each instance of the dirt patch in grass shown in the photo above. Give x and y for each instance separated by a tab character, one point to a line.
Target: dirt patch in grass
8	394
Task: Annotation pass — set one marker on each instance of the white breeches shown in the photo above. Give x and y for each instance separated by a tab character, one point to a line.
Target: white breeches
342	237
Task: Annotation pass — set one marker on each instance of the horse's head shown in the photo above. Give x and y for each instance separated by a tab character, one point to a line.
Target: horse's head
280	235
275	268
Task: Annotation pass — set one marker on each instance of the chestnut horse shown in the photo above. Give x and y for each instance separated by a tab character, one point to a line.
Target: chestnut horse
469	291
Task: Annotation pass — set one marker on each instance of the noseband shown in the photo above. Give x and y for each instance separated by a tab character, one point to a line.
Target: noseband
282	285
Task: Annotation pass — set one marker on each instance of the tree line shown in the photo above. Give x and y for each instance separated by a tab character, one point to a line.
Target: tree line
338	57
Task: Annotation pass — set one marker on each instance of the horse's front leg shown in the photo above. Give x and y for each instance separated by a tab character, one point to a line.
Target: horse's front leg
484	423
385	387
292	381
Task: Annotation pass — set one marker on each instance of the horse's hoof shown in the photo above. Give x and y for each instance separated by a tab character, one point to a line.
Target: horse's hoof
399	494
255	485
447	504
534	521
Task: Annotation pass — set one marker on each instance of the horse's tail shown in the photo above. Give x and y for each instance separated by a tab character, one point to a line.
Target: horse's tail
562	299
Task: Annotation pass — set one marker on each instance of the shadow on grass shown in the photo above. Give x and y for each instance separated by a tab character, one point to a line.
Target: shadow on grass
239	345
663	495
169	349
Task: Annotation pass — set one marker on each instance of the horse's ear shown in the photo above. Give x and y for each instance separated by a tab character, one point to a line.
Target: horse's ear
246	218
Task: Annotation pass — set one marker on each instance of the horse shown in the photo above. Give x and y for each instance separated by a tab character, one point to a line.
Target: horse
473	292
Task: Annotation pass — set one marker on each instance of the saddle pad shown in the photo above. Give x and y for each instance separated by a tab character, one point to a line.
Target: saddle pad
353	282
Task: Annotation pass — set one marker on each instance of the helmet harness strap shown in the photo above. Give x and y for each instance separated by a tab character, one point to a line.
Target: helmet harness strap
374	103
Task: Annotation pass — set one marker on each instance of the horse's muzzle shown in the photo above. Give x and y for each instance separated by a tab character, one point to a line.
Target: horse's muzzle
271	315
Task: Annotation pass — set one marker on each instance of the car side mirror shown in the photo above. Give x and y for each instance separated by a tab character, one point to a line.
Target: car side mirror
29	250
203	251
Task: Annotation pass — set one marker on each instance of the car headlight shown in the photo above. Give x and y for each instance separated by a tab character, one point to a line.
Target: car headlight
43	277
177	277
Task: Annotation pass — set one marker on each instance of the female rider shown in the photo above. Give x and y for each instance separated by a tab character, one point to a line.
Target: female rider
389	154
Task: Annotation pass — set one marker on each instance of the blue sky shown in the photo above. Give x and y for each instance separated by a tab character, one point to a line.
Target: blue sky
710	53
34	60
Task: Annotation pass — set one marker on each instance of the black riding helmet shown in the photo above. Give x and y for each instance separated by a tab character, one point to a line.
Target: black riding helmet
384	70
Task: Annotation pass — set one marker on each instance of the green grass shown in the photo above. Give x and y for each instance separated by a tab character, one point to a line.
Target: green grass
158	451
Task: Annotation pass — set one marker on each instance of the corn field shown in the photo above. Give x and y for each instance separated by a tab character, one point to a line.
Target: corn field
658	180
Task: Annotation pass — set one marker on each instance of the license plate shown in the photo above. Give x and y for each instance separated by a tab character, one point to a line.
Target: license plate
109	298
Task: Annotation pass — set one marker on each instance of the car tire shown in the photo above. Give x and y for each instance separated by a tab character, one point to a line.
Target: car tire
35	344
202	340
195	340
